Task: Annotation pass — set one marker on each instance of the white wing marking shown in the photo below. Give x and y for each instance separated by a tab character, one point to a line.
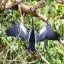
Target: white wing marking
23	28
42	30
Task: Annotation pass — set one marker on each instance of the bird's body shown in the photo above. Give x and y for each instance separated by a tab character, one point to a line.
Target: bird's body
32	36
32	41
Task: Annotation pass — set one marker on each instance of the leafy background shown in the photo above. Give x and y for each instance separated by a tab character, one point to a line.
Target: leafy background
12	50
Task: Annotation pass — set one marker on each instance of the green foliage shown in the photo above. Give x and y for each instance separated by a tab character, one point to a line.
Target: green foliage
14	51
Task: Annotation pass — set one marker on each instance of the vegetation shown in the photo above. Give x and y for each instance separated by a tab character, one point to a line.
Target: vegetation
12	49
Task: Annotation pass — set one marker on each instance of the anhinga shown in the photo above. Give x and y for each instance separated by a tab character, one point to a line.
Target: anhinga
33	35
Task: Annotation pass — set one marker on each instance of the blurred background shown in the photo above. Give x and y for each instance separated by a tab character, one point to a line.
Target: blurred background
12	49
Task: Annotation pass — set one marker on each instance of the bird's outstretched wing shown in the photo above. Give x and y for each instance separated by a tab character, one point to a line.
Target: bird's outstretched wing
47	33
18	30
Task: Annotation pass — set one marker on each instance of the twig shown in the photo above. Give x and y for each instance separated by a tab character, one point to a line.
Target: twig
6	56
22	61
60	1
22	8
2	14
42	57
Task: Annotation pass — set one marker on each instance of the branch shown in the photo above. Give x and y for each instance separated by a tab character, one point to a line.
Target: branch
31	10
43	58
11	3
43	18
2	14
60	1
22	8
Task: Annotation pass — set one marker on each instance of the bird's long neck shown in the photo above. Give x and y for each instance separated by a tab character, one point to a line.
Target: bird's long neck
32	24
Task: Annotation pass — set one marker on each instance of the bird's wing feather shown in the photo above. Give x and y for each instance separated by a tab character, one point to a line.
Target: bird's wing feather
18	30
47	33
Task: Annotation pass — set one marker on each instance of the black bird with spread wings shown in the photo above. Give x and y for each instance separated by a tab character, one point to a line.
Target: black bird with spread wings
32	36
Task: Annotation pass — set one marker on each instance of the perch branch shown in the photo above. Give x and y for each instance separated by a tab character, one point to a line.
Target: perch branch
22	8
43	58
60	1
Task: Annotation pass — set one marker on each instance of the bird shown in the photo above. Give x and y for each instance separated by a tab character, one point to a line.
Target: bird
32	36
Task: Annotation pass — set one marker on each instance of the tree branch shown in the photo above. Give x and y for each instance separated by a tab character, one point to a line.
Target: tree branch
60	1
22	8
